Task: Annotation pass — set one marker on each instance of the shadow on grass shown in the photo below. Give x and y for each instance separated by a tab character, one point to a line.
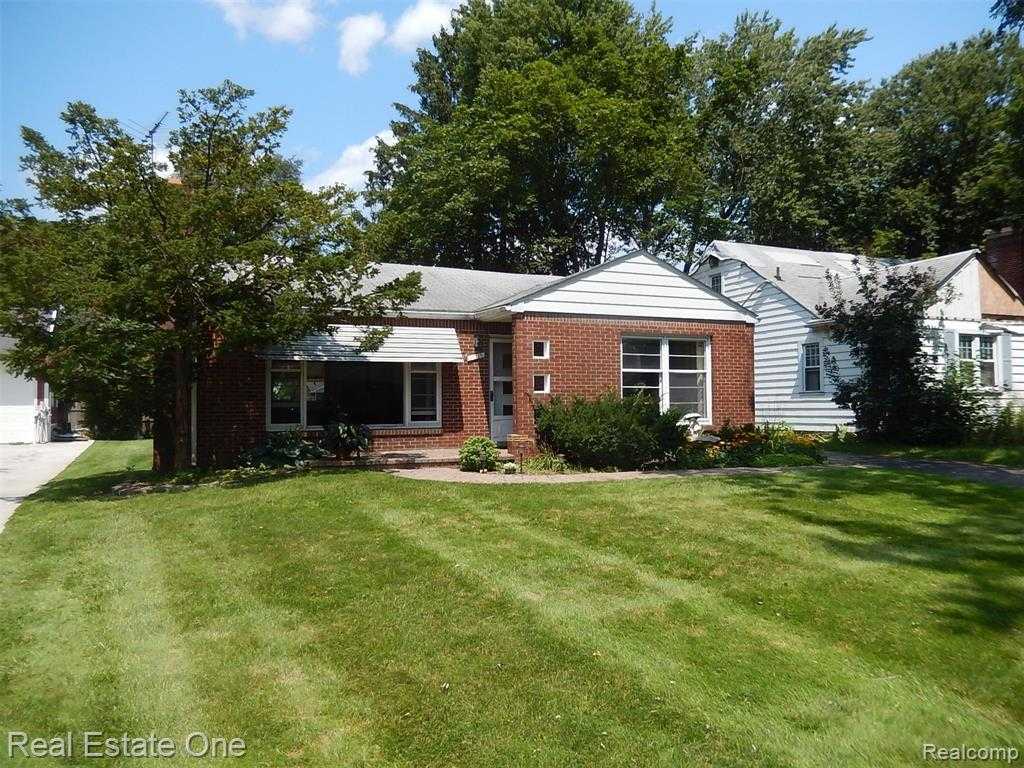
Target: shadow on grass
100	486
981	538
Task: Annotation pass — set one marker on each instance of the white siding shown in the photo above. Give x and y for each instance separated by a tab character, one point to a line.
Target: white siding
640	286
779	334
22	419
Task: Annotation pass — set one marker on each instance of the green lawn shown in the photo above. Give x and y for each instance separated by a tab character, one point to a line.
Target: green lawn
1006	455
814	618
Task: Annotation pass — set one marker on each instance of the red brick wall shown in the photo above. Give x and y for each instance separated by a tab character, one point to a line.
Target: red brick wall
1004	250
232	400
584	360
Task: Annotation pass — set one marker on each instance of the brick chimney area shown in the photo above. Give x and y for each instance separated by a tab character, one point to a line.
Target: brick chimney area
1004	250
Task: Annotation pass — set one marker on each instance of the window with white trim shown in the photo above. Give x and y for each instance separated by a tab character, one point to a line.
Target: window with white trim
675	372
284	384
812	367
541	383
311	393
716	283
978	357
541	350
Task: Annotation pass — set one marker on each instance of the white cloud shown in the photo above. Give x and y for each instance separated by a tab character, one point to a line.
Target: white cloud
349	169
357	35
289	21
419	22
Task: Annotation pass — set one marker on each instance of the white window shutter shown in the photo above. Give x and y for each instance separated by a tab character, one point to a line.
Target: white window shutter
1006	355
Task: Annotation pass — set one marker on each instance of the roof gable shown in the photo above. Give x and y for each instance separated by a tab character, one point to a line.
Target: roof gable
635	284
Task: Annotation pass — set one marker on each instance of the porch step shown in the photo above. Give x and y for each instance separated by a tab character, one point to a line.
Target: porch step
432	457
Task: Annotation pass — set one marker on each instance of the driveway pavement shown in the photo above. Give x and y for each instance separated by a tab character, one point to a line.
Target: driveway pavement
959	470
24	468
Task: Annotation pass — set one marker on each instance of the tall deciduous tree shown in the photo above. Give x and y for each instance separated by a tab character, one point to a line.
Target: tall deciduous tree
935	149
546	132
151	276
774	116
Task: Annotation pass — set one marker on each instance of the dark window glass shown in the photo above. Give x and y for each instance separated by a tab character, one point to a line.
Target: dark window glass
316	394
423	381
540	349
368	393
285	383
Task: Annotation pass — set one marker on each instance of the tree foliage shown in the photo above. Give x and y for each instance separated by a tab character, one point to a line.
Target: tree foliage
152	275
774	115
897	395
546	131
935	148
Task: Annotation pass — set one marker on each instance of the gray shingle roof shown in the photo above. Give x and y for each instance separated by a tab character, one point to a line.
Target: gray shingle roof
446	289
801	274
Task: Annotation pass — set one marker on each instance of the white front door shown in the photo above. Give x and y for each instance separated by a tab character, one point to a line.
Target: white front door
502	407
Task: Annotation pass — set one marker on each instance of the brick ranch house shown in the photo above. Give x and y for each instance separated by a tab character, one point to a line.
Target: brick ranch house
478	349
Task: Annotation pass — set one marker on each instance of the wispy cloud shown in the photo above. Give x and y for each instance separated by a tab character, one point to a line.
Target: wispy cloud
289	21
357	36
351	166
419	22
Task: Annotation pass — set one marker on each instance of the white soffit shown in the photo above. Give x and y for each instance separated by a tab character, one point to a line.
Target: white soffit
403	345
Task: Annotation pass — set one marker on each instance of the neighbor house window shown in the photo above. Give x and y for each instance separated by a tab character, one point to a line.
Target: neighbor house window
812	367
541	350
542	383
672	371
285	385
978	357
310	394
716	283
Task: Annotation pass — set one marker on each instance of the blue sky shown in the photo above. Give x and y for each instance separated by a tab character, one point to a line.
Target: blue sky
340	64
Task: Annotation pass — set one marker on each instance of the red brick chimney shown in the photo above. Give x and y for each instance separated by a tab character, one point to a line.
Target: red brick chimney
1004	250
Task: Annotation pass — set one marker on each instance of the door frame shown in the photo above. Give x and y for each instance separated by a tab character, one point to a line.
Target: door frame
491	418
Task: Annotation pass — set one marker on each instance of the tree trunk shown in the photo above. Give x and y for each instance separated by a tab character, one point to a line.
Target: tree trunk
172	413
163	415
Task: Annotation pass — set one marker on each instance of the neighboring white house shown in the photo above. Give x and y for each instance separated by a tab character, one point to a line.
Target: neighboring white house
983	322
24	406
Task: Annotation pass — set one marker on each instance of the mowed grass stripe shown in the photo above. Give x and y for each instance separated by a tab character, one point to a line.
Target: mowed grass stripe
675	640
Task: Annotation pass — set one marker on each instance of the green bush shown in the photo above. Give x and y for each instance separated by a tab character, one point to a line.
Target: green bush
478	453
345	438
609	432
769	445
283	449
545	464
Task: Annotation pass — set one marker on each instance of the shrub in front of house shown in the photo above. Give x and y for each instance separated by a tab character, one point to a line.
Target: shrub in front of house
609	432
478	454
283	449
345	438
768	445
545	464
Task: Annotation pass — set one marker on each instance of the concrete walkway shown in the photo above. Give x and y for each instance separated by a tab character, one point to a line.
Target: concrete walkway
958	470
24	468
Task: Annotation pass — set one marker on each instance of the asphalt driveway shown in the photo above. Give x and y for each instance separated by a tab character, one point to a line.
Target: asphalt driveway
24	468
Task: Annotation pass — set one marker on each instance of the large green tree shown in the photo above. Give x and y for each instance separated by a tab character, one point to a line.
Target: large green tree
774	114
935	149
546	132
151	276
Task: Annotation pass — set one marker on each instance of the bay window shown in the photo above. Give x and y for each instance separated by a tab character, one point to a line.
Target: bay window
675	372
311	393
